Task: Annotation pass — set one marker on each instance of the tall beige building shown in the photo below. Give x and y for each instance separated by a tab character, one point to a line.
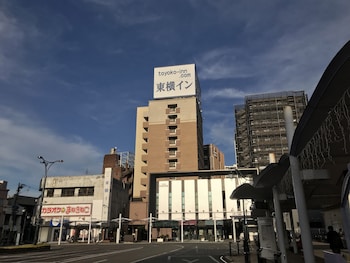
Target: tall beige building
169	136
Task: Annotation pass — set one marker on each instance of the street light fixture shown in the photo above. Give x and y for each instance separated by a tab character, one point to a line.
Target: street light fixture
47	165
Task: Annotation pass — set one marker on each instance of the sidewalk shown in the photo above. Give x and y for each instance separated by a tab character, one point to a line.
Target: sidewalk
319	249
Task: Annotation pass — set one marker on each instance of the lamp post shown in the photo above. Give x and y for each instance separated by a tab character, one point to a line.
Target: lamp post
245	233
47	165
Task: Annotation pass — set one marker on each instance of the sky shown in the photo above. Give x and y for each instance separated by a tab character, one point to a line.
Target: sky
73	72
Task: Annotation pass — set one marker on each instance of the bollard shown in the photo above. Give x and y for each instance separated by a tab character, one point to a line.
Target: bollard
230	243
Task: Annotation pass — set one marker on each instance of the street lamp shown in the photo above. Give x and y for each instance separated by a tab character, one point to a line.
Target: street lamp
245	234
47	165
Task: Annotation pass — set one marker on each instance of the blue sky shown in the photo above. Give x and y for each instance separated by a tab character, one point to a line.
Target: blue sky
73	72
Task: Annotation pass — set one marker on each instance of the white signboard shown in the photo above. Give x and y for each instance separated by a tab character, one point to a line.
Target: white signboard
174	81
267	238
66	210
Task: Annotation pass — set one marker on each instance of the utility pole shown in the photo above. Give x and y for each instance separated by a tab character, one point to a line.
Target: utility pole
47	165
14	215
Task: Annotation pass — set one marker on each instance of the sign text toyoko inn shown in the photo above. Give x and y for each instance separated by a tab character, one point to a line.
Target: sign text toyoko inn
66	210
174	81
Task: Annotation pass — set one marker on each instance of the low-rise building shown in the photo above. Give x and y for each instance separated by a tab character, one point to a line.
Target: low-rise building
194	205
3	205
86	202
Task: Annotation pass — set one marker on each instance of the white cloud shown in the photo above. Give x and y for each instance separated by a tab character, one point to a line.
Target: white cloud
227	93
224	63
24	138
278	52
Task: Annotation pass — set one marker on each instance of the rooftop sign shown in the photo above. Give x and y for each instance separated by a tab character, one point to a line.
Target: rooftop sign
174	81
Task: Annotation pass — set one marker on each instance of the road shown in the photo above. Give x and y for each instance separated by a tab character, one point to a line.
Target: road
125	253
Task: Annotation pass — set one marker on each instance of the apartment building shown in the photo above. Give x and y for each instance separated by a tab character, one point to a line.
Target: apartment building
260	126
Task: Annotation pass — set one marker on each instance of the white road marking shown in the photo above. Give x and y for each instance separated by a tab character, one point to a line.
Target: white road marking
190	261
99	255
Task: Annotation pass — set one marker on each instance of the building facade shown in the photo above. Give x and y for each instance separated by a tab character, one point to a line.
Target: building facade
214	159
3	206
76	201
196	205
169	134
86	202
260	126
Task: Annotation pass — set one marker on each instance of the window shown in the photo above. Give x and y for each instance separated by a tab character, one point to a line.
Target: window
49	192
172	163
172	107
67	192
172	118
86	191
172	129
172	151
172	140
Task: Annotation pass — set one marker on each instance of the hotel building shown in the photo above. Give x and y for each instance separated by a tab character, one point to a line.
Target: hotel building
178	181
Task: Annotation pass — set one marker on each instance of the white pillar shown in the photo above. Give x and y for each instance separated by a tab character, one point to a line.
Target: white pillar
215	238
298	188
278	217
289	123
279	223
150	229
119	227
89	231
234	229
60	234
302	211
18	237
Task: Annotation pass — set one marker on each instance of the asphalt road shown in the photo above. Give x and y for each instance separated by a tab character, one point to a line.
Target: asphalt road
125	253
